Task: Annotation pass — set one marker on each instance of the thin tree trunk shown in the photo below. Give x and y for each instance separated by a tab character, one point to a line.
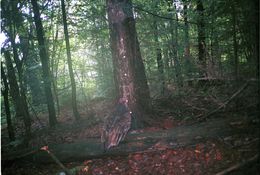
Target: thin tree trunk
45	64
33	74
186	32
14	89
166	64
55	91
73	84
10	128
176	31
19	62
20	104
201	38
256	16
176	53
171	47
235	46
173	54
54	81
22	91
159	58
129	71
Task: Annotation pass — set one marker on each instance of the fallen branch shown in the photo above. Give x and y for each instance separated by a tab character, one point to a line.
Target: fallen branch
227	102
45	148
238	165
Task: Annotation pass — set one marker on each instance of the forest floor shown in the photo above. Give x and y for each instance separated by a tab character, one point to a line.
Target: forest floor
208	156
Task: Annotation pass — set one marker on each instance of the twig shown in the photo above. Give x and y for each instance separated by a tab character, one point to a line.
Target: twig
194	107
28	153
238	165
45	148
228	101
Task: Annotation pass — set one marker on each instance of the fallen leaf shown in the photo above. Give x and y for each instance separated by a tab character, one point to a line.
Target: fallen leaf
218	155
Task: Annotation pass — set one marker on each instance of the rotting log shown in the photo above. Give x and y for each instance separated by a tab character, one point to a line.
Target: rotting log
181	136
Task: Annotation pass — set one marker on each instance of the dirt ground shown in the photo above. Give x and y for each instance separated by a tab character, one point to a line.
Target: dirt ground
206	157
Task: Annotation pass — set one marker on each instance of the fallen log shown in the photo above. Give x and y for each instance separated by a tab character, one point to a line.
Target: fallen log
180	136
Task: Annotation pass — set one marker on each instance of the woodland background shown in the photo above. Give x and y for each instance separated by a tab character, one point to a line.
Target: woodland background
59	77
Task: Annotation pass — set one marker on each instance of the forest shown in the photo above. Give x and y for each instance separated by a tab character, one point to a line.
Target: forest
130	87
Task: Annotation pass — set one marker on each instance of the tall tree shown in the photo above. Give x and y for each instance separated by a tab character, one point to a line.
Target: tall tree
45	64
32	66
176	50
129	71
55	62
235	45
174	32
72	80
186	30
256	22
21	107
5	92
11	22
201	37
158	54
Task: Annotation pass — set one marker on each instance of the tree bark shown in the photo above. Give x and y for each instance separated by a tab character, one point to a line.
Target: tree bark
201	38
45	64
129	72
72	80
5	91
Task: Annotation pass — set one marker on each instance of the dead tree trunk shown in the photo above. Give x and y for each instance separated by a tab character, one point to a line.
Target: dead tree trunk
45	64
129	70
72	80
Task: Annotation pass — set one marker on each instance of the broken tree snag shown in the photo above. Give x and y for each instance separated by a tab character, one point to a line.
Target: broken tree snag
129	74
